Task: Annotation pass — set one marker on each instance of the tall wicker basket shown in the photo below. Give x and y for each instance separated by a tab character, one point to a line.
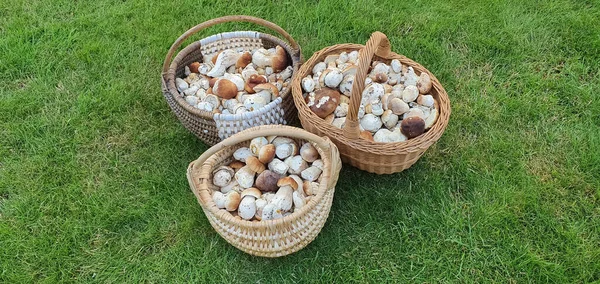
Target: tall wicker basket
272	238
212	128
374	157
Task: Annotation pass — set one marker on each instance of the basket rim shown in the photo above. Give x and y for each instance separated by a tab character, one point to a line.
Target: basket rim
168	78
199	179
422	141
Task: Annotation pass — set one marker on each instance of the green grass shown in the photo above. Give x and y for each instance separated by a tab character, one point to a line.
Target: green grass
92	161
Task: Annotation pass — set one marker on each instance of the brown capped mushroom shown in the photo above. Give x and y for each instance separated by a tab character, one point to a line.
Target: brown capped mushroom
308	152
256	144
244	60
412	126
225	89
267	181
232	201
424	83
253	81
326	100
266	153
194	67
287	181
236	165
255	165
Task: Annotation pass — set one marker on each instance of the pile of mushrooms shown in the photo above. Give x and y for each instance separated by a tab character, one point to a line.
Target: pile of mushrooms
270	179
233	82
395	106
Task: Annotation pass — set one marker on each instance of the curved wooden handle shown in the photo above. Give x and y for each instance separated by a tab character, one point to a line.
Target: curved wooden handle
378	45
226	19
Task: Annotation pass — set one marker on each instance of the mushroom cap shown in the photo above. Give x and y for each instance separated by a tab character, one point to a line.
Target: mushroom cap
266	153
412	126
194	67
326	100
244	60
232	200
287	181
253	81
267	86
222	176
267	181
225	89
280	60
255	165
308	152
366	135
423	84
241	154
235	165
257	143
253	191
214	58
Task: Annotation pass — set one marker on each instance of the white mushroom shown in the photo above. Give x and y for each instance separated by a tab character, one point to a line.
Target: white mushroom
353	57
254	102
181	84
414	112
411	77
225	59
426	100
346	85
370	122
247	207
236	79
373	91
396	66
333	78
341	110
192	100
398	106
296	164
283	199
424	83
308	152
260	204
389	119
245	177
282	151
339	122
278	166
319	67
219	199
286	73
205	106
222	176
431	119
410	93
308	84
232	186
299	200
386	136
242	153
312	173
257	143
318	163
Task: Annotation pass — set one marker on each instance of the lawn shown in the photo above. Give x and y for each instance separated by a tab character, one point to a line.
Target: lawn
92	161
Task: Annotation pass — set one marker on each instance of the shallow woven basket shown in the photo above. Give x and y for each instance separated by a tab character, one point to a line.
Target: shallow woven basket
212	128
271	238
374	157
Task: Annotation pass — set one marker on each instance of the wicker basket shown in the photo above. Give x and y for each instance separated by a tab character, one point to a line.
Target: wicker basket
212	128
374	157
271	238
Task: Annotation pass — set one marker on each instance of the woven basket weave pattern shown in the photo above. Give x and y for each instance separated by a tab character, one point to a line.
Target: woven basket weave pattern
272	238
374	157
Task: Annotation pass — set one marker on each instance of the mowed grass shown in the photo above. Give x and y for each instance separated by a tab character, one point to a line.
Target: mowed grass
92	161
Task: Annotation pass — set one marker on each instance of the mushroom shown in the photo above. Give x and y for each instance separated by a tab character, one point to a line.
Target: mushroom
318	163
249	71
283	199
270	89
205	106
339	122
260	204
244	60
308	152
225	59
396	66
254	102
308	84
310	187
346	84
367	135
370	122
269	212
232	186
298	199
247	207
255	165
192	100
253	81
380	68
398	106
236	165
219	199
353	57
232	200
241	154
426	100
181	84
389	119
278	166
267	181
263	58
385	136
411	77
204	68
415	112
326	100
410	93
412	126
225	89
431	119
266	153
312	173
296	164
424	83
194	67
319	67
373	91
286	150
380	78
222	176
245	176
213	100
333	78
341	110
287	73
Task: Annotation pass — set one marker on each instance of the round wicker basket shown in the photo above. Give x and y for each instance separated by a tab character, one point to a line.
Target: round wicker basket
374	157
212	128
272	238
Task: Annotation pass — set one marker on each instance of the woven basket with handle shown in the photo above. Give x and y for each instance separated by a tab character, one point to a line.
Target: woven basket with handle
212	128
272	238
374	157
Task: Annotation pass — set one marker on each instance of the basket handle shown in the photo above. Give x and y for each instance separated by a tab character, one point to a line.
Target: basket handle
378	45
226	19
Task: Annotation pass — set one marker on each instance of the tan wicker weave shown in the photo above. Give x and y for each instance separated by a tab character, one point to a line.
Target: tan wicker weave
212	128
374	157
271	238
